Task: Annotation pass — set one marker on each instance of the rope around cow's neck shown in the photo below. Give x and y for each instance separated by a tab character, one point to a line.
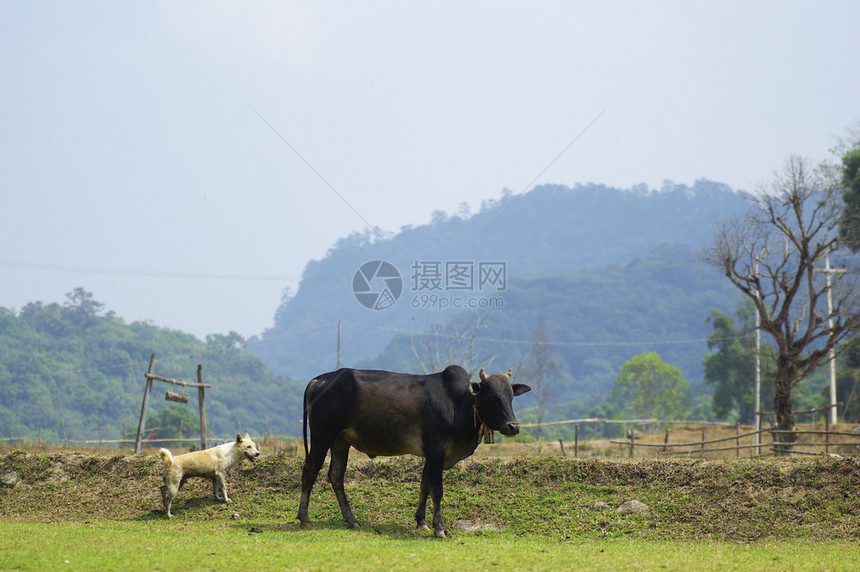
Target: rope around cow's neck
484	431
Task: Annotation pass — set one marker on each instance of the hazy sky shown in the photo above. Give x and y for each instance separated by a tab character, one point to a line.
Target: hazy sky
183	160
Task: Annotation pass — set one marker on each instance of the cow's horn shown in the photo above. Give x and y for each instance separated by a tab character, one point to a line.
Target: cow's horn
482	375
509	373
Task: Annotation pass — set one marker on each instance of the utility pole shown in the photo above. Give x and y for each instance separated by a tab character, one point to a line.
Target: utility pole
757	377
827	272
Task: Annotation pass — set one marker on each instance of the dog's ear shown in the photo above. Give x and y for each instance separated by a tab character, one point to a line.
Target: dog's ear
238	438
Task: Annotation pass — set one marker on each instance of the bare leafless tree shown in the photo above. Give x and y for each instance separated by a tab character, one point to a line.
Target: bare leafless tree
455	343
774	255
540	369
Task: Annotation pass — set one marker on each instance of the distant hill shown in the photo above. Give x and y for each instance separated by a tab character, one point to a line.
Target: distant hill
600	265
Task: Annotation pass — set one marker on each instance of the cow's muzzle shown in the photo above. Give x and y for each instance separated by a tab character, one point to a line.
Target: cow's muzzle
510	429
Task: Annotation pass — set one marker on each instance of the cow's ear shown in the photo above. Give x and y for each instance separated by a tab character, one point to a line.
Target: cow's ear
247	437
520	388
482	375
238	438
475	388
509	373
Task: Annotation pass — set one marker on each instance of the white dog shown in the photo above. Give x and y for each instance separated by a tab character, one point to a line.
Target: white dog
210	463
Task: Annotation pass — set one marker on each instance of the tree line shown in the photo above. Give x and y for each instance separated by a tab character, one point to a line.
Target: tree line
74	372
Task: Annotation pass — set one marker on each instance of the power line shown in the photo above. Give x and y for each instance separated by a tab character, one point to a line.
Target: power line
545	169
323	179
71	371
17	265
560	344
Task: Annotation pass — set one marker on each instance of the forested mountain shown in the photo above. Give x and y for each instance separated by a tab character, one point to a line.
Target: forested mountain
599	264
596	319
67	370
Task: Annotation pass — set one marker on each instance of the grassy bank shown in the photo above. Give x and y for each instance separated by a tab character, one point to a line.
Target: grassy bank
808	498
749	514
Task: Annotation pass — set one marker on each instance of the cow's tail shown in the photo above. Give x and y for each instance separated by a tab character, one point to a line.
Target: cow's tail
166	457
305	418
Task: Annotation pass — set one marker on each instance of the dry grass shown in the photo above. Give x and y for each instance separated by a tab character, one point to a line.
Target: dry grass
510	484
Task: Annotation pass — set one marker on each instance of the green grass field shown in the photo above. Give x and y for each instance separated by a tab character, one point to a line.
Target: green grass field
162	545
85	511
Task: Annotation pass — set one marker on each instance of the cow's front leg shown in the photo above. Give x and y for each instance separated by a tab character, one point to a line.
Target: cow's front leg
431	484
421	511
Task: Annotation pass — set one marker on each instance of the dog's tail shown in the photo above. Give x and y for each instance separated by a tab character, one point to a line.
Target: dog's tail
166	456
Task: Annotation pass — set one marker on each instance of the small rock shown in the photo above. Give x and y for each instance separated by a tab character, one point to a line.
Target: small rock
600	505
633	507
466	525
490	527
10	479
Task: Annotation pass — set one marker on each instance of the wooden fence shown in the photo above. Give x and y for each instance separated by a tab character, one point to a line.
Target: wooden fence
808	442
810	439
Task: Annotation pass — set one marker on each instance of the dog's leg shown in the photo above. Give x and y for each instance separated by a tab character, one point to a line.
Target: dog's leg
221	478
168	493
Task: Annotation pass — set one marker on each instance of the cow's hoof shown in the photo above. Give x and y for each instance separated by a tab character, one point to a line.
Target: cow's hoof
354	524
424	527
306	525
440	533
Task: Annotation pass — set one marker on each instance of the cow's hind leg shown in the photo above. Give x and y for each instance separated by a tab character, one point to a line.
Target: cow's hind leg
310	470
336	471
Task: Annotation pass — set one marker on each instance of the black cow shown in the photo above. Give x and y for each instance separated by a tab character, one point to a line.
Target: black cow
441	417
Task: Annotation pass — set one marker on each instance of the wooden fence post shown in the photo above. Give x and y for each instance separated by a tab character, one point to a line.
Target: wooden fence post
702	454
147	390
576	440
201	397
738	440
827	432
666	441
